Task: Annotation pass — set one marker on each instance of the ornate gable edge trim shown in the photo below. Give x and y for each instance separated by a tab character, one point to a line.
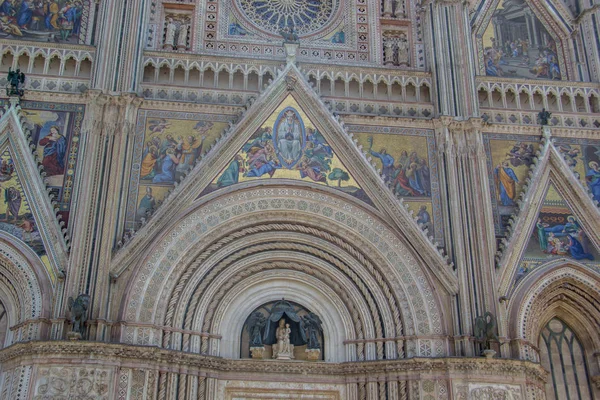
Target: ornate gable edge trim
17	139
290	81
550	168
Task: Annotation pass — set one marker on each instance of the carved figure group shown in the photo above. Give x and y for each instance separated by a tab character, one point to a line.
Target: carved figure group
175	36
283	329
396	50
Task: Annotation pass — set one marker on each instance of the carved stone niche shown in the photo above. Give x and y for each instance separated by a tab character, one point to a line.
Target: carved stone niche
177	27
394	9
282	330
396	47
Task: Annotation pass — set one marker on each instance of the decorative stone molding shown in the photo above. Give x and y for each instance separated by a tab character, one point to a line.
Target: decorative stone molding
134	355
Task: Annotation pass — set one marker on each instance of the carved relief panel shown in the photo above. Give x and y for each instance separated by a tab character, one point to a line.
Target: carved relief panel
71	382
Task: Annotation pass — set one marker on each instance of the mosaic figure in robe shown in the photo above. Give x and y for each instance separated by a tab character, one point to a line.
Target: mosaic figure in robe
506	181
55	148
289	138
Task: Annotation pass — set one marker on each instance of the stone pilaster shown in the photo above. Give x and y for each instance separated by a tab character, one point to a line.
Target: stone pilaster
451	60
470	224
121	31
107	137
588	63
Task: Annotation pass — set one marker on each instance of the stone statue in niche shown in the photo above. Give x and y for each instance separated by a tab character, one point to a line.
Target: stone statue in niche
170	30
255	327
182	39
283	330
283	349
399	9
311	326
403	50
388	52
485	332
78	308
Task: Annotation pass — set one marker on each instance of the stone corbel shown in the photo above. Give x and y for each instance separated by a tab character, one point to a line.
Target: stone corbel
133	103
95	111
443	139
113	116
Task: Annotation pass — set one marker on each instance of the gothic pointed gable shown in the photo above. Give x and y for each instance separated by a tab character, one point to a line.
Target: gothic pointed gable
26	211
290	92
288	146
557	234
557	220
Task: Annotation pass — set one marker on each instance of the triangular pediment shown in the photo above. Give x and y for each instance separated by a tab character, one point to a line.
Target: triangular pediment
557	220
288	146
26	211
557	234
338	155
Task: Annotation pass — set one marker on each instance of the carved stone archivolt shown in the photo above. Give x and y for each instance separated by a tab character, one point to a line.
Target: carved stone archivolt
218	265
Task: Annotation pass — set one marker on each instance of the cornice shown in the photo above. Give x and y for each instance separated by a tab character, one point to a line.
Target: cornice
162	105
52	97
354	119
121	353
303	66
534	82
528	130
61	46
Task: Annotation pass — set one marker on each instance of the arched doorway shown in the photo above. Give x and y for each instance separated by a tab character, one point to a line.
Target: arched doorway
563	355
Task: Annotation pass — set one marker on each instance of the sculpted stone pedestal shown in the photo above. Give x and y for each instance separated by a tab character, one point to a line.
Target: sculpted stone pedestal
284	355
257	352
291	49
74	335
313	354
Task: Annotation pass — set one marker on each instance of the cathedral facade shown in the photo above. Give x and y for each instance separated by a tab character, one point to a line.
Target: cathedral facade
300	199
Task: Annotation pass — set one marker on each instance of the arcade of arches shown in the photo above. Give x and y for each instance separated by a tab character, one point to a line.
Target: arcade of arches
341	199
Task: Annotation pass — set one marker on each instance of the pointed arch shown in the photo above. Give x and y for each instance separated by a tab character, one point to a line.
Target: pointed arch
558	24
551	169
224	242
563	289
26	291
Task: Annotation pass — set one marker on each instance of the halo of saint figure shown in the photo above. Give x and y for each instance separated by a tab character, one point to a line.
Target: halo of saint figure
58	20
